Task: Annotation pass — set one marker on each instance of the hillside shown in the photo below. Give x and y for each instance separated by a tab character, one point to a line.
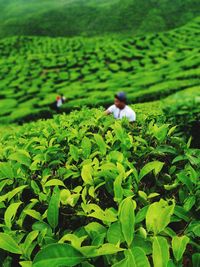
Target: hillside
94	17
89	71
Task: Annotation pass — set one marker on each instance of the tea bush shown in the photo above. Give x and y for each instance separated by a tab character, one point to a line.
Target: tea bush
86	190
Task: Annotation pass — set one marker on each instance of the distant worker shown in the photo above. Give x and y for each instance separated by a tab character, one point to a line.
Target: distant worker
60	100
120	108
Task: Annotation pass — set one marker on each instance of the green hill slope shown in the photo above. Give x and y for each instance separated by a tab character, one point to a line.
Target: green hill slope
89	71
94	17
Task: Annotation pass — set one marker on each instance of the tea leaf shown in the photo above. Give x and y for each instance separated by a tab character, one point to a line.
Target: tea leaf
101	144
10	213
179	244
127	219
155	166
160	252
9	244
54	182
53	209
86	174
158	216
58	255
22	157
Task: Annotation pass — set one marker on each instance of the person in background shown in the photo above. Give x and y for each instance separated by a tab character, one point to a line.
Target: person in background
120	108
60	100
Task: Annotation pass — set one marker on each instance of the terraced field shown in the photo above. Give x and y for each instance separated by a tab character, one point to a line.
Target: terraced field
83	189
89	71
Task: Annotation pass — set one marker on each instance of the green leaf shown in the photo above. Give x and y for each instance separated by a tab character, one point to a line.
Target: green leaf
86	147
134	258
74	152
141	215
179	244
40	226
9	244
182	176
179	158
137	258
127	219
22	157
104	216
55	255
142	194
181	213
10	213
152	195
115	156
64	195
171	263
160	252
101	144
122	263
118	190
105	249
189	203
34	214
194	227
15	191
25	263
158	216
6	170
75	240
119	131
155	166
161	132
145	244
28	243
54	182
86	174
94	228
114	233
196	260
108	249
53	209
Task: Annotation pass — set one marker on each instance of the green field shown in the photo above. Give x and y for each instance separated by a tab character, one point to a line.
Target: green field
93	17
80	188
90	70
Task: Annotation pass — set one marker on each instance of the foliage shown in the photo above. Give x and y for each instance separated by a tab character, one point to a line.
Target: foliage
85	190
93	17
89	71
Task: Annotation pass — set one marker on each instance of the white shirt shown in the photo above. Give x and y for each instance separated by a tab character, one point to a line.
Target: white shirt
120	113
59	103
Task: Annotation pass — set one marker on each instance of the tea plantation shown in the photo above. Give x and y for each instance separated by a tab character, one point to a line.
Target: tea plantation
83	189
89	71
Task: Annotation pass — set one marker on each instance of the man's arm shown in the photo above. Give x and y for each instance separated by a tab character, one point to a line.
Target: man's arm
109	110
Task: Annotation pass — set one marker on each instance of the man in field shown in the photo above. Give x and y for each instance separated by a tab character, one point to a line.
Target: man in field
120	108
60	100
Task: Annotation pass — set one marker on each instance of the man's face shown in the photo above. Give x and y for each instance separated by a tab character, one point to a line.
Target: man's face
119	104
